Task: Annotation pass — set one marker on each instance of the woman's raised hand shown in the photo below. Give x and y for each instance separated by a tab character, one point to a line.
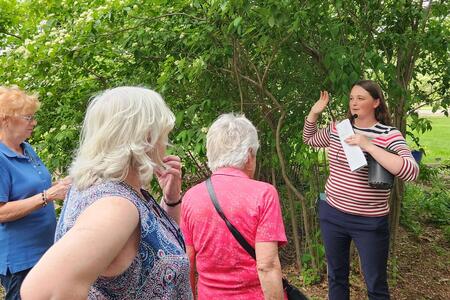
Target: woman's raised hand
170	179
321	104
59	189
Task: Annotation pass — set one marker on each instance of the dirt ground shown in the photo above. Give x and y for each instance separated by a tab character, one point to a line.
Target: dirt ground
423	270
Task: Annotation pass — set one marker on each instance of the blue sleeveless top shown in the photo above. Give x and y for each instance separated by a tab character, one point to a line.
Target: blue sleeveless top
160	269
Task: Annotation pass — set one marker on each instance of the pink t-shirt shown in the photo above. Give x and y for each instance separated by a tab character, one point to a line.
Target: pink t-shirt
225	269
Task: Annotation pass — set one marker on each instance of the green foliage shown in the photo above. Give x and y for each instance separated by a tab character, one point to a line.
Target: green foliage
394	271
428	174
435	142
309	274
69	50
426	205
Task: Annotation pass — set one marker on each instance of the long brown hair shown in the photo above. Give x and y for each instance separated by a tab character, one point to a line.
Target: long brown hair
381	112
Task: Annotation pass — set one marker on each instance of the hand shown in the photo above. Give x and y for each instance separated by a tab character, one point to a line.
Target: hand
170	179
59	189
359	140
321	104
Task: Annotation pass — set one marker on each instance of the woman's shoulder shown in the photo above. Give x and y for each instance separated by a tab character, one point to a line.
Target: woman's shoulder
77	201
193	190
263	186
248	183
107	189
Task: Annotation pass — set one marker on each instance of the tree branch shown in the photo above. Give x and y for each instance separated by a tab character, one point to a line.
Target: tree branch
99	77
315	54
265	91
149	19
13	35
168	15
272	57
200	168
235	68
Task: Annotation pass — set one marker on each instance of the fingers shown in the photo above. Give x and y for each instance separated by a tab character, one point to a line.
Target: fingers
173	166
324	96
170	178
356	139
66	180
351	140
58	190
171	171
171	158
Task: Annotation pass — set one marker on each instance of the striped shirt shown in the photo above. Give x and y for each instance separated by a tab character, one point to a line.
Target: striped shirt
350	191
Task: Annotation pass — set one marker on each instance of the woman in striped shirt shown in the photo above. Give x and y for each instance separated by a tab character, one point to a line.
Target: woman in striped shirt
354	210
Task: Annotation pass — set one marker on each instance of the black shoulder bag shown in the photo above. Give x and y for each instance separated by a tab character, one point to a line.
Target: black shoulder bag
292	292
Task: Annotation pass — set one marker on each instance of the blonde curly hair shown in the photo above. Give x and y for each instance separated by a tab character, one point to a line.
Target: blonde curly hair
15	102
124	128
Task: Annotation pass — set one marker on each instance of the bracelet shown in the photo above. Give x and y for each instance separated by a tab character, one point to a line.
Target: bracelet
172	204
44	198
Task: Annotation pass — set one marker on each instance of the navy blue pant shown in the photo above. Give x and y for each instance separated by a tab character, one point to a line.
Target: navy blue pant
12	284
371	238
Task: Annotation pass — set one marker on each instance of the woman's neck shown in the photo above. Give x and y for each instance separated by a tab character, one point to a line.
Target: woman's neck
133	180
365	123
11	143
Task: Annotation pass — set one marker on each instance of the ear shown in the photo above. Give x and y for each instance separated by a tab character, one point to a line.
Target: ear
3	121
376	103
249	156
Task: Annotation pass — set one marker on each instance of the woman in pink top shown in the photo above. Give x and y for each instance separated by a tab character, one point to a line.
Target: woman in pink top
225	270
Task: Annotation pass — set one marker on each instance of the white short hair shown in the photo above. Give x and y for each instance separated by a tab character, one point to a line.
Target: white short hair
229	140
124	127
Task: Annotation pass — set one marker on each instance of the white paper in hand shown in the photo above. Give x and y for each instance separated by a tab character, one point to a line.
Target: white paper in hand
353	153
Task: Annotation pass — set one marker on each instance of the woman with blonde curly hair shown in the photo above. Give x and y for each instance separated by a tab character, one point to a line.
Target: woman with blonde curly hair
27	214
114	241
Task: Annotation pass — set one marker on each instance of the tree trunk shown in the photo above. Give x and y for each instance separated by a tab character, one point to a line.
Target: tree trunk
395	206
306	223
274	177
295	234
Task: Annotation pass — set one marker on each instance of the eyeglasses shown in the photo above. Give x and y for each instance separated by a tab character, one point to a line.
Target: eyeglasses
28	118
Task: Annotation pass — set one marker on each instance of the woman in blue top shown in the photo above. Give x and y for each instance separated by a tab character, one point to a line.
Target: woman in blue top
27	215
114	241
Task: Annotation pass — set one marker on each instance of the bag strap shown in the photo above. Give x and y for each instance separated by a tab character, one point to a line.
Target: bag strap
237	235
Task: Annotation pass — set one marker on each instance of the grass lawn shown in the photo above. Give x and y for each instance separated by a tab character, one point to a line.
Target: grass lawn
436	142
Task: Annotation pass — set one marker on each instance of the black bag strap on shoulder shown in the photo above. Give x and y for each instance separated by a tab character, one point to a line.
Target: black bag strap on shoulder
237	235
243	242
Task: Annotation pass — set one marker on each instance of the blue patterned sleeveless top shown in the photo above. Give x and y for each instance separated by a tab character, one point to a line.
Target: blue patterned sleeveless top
160	270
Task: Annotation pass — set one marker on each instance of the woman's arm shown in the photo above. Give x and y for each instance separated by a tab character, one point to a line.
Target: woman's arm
402	164
170	183
174	212
69	268
390	161
311	135
269	270
14	210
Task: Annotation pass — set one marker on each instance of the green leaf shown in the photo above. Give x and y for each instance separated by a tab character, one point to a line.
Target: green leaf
271	21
